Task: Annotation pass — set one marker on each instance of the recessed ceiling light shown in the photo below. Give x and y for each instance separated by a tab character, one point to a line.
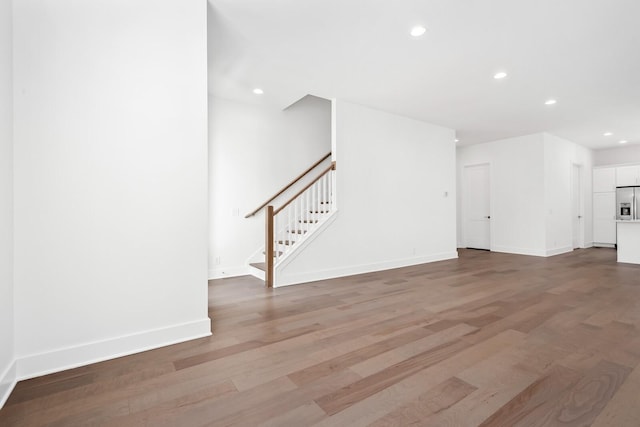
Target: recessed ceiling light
550	102
258	91
457	140
500	75
608	134
418	31
624	141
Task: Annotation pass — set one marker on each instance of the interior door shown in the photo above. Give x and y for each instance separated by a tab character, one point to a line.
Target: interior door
476	205
576	205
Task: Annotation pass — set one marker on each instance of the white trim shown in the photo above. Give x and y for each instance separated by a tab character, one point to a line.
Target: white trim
221	273
36	365
363	268
558	251
604	245
589	245
615	165
519	251
8	381
256	272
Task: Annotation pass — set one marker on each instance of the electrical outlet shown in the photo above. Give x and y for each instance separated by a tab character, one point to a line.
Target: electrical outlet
235	212
217	260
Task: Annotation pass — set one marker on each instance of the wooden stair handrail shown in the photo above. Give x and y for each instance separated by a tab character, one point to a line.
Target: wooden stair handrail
324	172
298	178
268	246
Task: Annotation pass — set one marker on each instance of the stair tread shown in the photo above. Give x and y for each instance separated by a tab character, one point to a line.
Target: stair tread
286	242
259	265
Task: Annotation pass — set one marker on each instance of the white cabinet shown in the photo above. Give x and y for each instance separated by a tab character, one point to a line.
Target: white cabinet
604	218
627	175
604	179
604	205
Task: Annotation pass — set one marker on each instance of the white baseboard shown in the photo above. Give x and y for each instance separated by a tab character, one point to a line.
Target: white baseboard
222	273
558	251
587	245
36	365
604	245
519	251
294	279
8	380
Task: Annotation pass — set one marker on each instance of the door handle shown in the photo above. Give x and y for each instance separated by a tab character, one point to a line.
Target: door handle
488	217
579	216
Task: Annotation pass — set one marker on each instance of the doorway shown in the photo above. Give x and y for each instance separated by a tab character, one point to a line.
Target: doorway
477	207
576	205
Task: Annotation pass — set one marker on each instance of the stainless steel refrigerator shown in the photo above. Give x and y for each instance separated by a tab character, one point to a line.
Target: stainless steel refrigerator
627	203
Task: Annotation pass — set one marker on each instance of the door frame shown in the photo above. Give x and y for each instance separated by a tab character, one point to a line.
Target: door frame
464	192
580	170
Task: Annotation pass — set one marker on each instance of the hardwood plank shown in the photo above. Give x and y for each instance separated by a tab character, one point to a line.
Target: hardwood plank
486	339
389	399
338	400
439	398
401	353
623	409
521	410
349	359
582	403
305	415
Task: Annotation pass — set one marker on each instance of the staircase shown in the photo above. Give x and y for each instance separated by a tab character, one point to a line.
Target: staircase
295	221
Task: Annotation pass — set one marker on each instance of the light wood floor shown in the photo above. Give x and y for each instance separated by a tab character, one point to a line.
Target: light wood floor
489	339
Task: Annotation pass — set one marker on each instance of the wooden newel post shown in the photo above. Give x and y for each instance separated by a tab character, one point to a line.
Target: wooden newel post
268	246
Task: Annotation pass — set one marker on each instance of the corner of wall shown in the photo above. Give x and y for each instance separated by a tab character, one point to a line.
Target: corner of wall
8	381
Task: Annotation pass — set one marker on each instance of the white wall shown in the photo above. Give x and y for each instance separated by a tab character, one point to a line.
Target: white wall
254	151
628	154
392	175
7	372
559	156
110	178
517	192
531	193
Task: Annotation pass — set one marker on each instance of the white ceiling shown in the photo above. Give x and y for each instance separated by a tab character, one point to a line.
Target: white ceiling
584	53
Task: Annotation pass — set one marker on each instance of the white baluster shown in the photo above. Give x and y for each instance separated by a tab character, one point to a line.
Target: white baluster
315	201
325	206
275	236
306	209
333	184
287	236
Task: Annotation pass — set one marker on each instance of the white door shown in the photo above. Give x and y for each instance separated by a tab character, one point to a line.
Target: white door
576	205
476	205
